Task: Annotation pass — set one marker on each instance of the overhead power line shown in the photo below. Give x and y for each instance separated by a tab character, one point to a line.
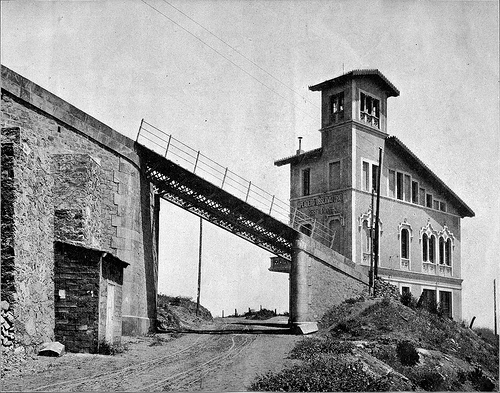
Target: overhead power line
242	55
229	60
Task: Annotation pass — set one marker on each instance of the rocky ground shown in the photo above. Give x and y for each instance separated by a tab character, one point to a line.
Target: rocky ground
362	345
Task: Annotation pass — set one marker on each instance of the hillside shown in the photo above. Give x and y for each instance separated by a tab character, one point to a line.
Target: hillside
180	313
383	345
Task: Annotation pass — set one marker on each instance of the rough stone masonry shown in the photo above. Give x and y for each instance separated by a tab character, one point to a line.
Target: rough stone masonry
105	204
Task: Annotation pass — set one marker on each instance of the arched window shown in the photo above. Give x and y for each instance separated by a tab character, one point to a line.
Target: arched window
441	250
405	244
448	252
432	249
425	247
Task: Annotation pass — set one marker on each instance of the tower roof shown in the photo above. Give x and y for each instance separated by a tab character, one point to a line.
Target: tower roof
392	91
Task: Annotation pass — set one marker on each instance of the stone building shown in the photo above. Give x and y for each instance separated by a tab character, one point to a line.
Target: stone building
77	212
420	215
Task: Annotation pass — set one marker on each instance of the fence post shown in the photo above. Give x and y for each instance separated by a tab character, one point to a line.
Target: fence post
168	145
313	228
196	162
293	218
139	133
248	192
271	208
224	179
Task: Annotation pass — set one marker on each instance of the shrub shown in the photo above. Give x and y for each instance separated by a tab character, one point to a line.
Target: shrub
408	355
261	314
106	348
480	381
427	378
408	300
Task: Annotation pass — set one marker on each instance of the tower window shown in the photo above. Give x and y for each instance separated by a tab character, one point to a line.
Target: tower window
334	175
337	107
369	110
370	177
306	181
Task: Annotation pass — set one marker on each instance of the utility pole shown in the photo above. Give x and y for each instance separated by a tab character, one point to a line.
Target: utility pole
372	232
495	304
377	236
199	268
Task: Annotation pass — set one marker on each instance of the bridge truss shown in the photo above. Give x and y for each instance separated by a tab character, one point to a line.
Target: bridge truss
194	182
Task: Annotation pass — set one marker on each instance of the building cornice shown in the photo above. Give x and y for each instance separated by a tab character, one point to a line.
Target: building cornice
429	279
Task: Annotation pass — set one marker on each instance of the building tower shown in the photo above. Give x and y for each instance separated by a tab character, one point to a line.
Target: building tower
419	220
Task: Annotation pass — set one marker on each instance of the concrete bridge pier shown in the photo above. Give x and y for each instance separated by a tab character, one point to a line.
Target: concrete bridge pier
300	318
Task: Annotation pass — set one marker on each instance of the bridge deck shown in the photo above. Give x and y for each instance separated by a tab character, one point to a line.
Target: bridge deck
191	180
197	195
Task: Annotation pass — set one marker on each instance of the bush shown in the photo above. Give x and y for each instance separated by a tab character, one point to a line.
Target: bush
408	300
261	314
427	378
480	381
408	355
487	335
106	348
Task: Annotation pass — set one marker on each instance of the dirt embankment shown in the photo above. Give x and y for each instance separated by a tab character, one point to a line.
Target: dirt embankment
383	345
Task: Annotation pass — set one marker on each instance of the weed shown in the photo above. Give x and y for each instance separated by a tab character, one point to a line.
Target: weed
480	381
408	300
408	355
427	378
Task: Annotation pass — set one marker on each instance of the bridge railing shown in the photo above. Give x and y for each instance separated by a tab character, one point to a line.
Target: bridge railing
193	160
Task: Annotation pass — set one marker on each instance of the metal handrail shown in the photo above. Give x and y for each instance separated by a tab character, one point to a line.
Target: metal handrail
224	178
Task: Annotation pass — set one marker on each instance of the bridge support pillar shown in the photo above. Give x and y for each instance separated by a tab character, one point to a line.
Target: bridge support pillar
300	317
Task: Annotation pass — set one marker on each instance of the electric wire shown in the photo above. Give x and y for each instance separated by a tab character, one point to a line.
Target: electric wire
230	61
242	55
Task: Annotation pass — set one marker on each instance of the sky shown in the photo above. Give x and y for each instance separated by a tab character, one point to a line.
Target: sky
230	78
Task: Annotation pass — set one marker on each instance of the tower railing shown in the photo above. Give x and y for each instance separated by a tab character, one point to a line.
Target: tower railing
196	162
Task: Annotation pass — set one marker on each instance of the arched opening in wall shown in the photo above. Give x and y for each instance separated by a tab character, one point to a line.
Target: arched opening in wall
235	274
337	230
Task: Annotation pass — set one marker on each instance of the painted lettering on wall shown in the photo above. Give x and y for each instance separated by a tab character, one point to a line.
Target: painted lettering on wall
320	200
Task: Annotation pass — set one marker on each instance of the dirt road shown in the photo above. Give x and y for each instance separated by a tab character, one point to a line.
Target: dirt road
225	356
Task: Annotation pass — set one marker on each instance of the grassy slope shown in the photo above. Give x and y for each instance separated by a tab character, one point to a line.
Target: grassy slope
180	312
357	350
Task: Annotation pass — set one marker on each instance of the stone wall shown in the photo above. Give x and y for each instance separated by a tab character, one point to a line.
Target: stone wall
51	133
78	198
29	259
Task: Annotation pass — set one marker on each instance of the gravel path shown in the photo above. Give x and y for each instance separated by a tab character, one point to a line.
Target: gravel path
225	356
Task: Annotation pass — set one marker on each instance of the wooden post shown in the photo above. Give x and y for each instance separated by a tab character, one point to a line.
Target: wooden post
377	237
370	278
199	268
495	304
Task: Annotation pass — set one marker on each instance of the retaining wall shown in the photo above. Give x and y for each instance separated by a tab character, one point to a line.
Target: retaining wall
123	213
